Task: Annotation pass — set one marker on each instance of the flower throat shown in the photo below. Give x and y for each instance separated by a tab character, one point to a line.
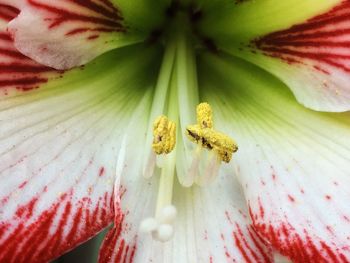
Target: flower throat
181	141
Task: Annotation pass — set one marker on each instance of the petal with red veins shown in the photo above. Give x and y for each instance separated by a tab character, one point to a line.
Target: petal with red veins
58	150
212	226
69	33
313	59
292	162
17	72
303	43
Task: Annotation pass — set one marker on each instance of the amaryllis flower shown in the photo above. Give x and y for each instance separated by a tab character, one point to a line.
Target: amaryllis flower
128	112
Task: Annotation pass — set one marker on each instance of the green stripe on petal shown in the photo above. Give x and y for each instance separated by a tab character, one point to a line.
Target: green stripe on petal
144	16
231	22
292	162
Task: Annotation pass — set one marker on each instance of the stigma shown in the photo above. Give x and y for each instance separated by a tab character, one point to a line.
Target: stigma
213	148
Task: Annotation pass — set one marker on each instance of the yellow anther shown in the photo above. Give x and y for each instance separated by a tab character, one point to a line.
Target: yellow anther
213	140
204	115
204	135
164	132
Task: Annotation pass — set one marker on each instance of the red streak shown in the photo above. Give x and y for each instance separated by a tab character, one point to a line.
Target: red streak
241	249
319	40
66	16
32	240
7	12
258	244
299	247
101	172
291	198
16	70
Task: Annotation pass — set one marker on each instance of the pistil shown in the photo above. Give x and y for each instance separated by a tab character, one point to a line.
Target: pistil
164	130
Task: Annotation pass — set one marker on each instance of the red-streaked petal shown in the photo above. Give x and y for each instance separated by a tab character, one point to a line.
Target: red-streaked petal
317	55
212	226
304	43
68	33
58	150
18	72
136	199
292	162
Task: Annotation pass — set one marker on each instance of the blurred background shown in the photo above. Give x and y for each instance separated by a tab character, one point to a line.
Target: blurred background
85	253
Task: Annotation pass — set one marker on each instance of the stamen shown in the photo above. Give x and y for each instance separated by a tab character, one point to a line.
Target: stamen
159	104
204	135
205	167
210	139
194	168
164	132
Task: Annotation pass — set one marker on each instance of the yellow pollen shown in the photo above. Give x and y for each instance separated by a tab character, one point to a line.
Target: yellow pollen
209	138
204	115
164	132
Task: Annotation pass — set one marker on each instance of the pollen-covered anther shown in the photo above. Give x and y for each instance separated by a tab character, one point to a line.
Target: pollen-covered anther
164	132
204	135
204	115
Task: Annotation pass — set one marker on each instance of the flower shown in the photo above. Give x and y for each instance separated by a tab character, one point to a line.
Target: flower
82	84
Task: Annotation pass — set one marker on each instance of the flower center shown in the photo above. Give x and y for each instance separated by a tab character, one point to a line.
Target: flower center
184	141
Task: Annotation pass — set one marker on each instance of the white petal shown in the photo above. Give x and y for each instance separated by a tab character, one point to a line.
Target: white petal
292	162
212	225
59	146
